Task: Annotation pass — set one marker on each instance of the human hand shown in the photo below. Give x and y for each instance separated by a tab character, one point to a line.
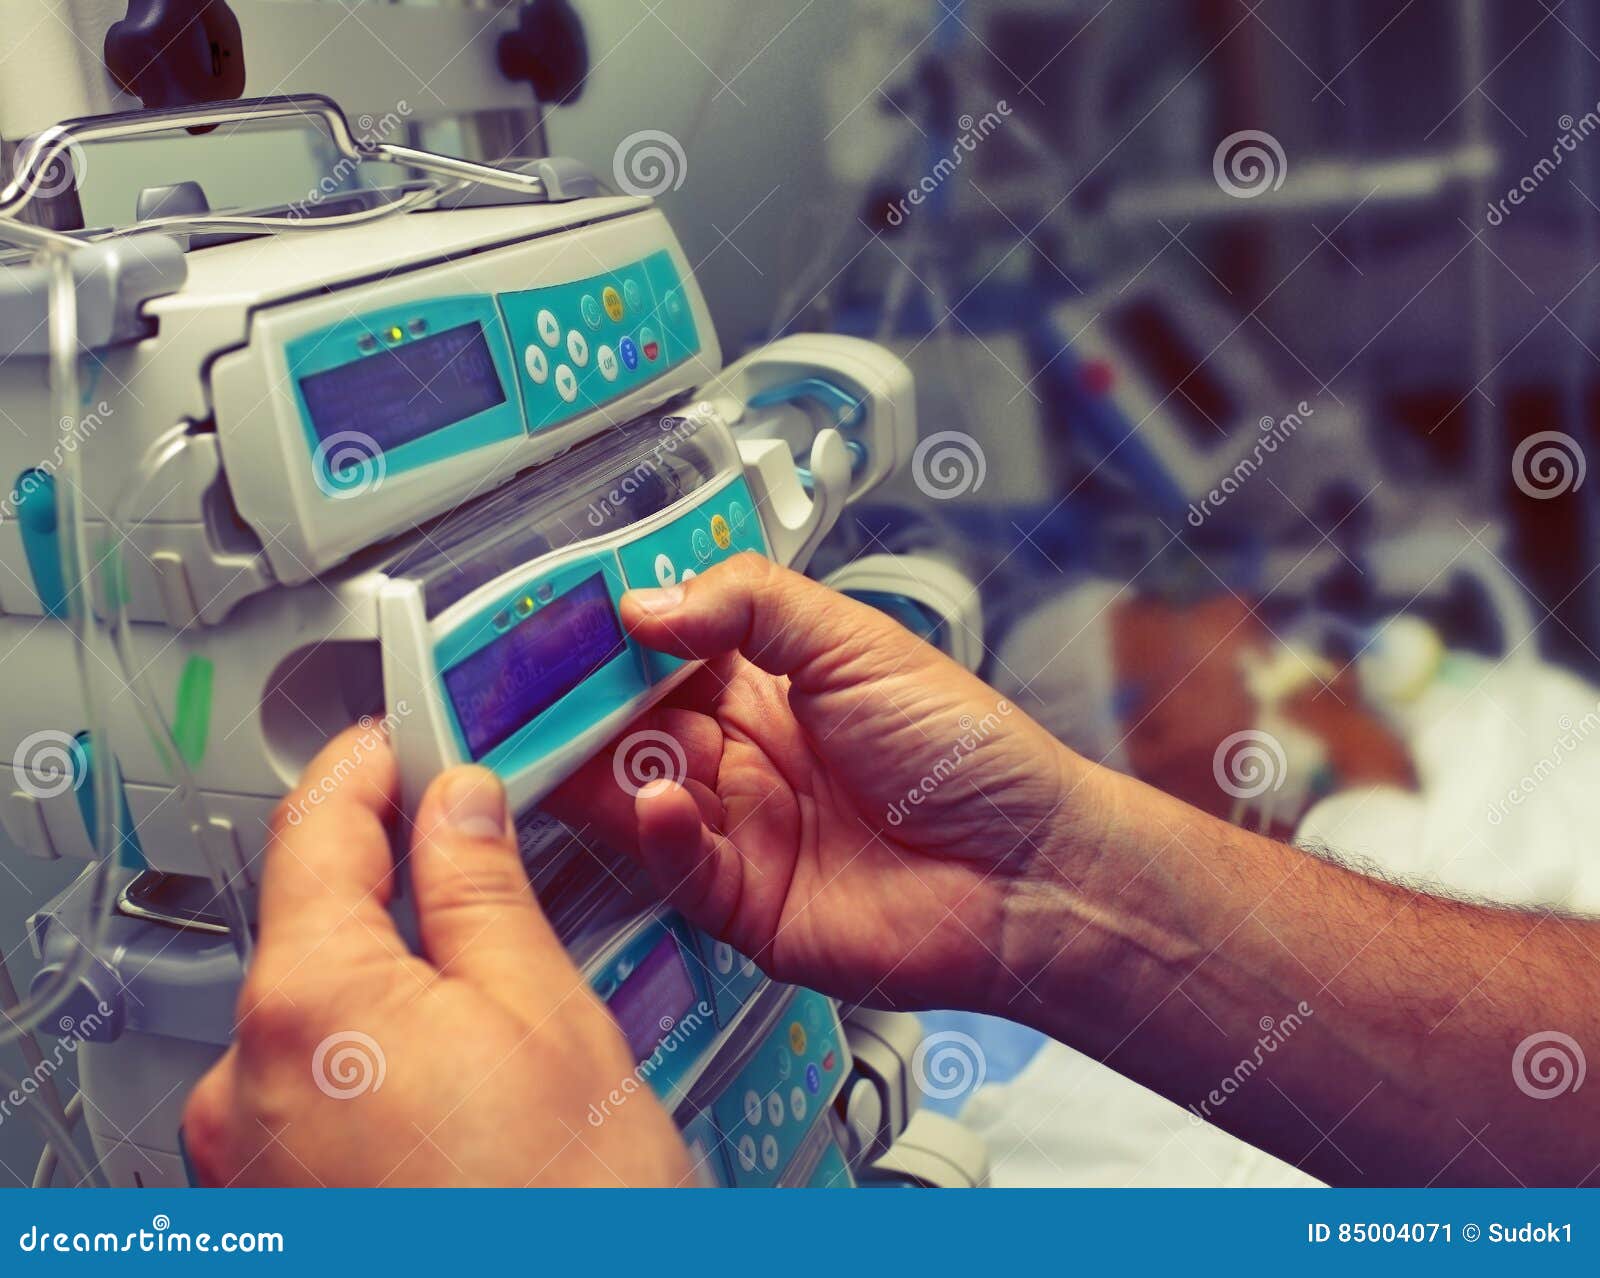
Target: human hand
356	1062
855	811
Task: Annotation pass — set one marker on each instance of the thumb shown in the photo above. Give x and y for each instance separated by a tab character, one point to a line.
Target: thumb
779	620
476	913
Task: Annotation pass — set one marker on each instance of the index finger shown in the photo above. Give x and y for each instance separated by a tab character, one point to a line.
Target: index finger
329	869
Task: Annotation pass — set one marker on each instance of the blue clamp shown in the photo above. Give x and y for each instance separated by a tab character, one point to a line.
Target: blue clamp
130	854
847	410
33	497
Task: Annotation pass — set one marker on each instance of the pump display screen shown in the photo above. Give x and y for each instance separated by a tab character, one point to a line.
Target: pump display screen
653	998
401	393
514	679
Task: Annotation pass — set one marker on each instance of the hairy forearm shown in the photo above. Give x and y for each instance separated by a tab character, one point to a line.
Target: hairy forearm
1366	1031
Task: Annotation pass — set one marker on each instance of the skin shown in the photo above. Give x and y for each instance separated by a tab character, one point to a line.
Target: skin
1022	881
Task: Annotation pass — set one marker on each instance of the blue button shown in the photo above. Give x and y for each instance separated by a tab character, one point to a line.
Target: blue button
629	353
813	1079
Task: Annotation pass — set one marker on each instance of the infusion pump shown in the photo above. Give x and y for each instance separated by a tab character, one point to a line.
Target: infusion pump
402	464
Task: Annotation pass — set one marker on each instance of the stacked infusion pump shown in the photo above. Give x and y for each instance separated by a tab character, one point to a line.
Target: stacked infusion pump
400	465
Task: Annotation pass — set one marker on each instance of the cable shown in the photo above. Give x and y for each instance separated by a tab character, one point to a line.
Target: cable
45	1172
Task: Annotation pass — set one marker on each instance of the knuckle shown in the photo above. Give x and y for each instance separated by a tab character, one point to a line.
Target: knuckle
270	1020
204	1126
749	570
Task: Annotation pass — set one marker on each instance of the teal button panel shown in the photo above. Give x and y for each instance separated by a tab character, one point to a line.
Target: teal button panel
733	978
584	343
655	987
783	1091
718	528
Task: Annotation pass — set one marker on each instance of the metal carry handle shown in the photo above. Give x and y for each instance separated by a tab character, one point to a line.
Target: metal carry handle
56	144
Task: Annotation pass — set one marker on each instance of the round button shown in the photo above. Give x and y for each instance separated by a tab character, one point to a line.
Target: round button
566	383
666	574
797	1037
775	1110
721	952
577	347
606	361
674	303
720	532
590	310
549	328
813	1079
688	574
629	353
736	515
537	365
785	1064
752	1108
769	1151
747	1152
797	1103
701	544
630	293
612	301
649	344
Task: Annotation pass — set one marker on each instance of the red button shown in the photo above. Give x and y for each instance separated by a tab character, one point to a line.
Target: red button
651	350
1097	377
827	1061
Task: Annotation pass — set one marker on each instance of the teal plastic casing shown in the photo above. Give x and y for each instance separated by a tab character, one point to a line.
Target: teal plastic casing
786	1087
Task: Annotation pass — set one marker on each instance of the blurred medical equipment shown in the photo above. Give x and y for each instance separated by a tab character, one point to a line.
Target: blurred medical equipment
395	453
927	594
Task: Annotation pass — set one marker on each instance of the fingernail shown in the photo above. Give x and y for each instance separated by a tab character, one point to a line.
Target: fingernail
475	806
657	601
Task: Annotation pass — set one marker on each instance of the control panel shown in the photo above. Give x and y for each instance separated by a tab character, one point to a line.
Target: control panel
546	660
766	1111
581	344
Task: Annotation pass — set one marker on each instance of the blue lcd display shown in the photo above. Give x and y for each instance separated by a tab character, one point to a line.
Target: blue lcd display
653	998
514	679
401	393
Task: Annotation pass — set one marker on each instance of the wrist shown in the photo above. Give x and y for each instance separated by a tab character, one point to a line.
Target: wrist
1079	926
